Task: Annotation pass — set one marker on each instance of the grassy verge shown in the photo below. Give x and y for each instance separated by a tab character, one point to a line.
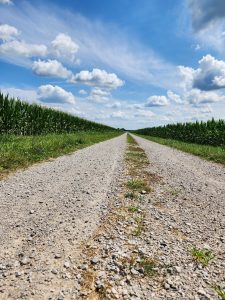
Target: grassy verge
216	154
22	151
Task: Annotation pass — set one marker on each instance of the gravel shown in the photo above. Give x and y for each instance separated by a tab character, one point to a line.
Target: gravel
81	241
186	209
46	213
178	214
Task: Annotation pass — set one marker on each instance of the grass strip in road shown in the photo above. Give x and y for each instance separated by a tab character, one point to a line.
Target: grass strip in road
22	151
216	154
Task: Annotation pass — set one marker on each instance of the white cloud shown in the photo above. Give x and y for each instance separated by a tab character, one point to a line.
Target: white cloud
6	2
144	114
119	115
50	68
64	46
55	94
82	92
206	109
187	75
99	96
197	97
98	78
135	106
115	104
157	101
8	32
20	48
209	76
174	97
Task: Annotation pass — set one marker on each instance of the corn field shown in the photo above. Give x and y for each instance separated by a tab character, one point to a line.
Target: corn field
211	132
21	118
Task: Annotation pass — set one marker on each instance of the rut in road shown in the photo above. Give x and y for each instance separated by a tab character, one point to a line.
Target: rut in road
46	212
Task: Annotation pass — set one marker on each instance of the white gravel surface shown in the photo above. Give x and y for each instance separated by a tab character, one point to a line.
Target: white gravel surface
67	233
186	209
183	210
46	212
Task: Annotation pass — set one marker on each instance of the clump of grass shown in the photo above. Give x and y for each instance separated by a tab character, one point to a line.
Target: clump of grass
131	195
131	140
140	226
133	209
203	256
220	291
149	266
136	184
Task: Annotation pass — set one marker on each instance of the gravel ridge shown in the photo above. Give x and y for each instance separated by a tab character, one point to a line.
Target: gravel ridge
46	212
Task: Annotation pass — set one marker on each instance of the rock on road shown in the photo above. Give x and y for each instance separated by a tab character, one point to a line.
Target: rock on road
46	212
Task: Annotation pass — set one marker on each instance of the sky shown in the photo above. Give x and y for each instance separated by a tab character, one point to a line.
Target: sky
125	63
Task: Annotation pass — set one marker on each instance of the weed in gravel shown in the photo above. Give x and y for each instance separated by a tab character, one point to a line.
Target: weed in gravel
133	209
203	256
220	291
136	184
150	266
140	226
173	192
131	195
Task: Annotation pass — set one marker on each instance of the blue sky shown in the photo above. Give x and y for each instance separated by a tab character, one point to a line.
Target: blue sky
125	63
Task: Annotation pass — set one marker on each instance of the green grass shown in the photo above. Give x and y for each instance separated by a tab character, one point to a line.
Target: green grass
131	195
220	291
216	154
133	209
136	184
140	226
149	266
203	256
22	151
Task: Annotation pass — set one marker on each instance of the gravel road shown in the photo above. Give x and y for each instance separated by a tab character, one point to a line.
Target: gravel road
186	209
46	212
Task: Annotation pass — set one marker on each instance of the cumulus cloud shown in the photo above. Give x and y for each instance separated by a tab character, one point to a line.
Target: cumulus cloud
8	32
197	97
206	12
135	106
174	97
115	104
118	115
82	92
144	114
206	109
209	76
99	96
54	94
50	68
6	2
98	78
64	46
20	48
157	101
